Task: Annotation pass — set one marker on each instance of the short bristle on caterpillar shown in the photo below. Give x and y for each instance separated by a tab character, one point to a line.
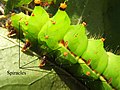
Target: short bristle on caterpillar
63	6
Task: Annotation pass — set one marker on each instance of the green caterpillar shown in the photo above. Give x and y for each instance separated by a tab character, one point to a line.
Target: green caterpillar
83	57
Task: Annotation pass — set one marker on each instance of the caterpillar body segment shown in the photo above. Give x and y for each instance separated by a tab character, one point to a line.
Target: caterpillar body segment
76	39
33	26
64	57
112	71
96	53
53	33
16	22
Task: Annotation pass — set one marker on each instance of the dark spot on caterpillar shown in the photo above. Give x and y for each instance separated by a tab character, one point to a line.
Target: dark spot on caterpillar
46	37
33	14
84	23
65	54
26	46
88	73
63	6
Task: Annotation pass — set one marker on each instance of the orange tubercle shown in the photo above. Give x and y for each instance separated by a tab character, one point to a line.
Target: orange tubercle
103	39
33	14
88	73
26	23
65	54
53	22
84	23
46	37
63	6
37	1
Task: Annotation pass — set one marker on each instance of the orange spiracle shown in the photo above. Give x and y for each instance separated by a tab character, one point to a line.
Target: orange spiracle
63	6
65	54
46	37
53	22
33	14
88	73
